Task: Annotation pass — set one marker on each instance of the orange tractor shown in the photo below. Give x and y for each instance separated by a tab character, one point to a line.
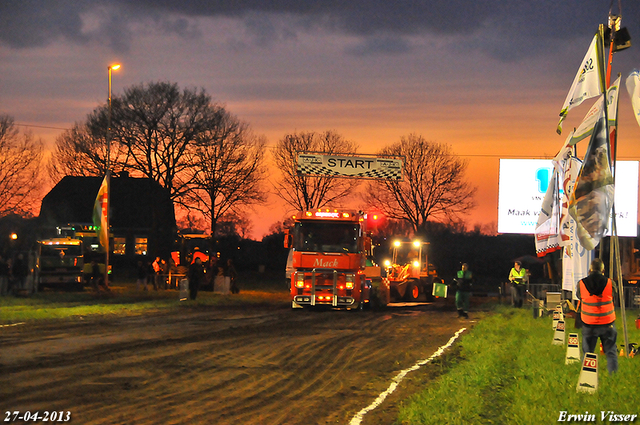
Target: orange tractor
409	273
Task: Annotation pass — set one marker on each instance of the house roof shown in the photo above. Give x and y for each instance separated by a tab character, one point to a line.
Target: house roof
135	203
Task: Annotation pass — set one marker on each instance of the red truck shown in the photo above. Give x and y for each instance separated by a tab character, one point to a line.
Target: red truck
329	251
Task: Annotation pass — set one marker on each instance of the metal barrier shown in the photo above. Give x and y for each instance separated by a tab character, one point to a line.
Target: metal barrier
539	290
536	290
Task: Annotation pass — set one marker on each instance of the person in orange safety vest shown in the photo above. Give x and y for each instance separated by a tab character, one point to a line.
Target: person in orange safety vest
598	315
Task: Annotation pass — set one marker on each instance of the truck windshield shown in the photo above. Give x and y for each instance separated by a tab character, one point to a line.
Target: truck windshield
326	237
60	255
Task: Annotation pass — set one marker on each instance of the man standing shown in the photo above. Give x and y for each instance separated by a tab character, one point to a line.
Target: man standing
464	279
4	277
597	312
518	278
196	276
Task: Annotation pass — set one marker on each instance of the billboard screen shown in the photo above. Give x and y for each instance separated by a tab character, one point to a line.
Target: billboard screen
523	183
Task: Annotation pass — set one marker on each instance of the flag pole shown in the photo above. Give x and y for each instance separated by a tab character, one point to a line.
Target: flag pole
108	178
614	244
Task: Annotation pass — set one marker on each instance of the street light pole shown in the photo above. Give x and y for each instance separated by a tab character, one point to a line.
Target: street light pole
111	67
108	177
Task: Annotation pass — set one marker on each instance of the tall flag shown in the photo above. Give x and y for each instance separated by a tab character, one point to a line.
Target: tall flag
589	81
633	87
100	210
591	201
585	129
548	226
612	115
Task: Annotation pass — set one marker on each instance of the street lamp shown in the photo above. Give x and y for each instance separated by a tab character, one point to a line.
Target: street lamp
114	67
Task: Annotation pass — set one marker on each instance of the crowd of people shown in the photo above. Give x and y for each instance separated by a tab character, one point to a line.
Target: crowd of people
595	307
201	273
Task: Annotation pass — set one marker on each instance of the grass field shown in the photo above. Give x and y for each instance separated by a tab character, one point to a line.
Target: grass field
125	300
506	371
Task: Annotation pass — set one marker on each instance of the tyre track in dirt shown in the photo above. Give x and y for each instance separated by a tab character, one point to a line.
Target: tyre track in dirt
264	366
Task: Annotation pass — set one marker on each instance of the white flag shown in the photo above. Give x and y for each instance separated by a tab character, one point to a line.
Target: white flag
633	87
548	227
585	129
570	170
589	81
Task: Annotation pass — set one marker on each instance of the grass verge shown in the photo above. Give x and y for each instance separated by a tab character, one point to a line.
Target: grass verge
508	372
125	300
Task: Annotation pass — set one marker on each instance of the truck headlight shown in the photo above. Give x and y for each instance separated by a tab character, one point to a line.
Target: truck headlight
416	264
299	280
349	280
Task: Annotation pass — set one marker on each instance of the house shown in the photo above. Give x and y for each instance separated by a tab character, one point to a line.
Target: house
141	214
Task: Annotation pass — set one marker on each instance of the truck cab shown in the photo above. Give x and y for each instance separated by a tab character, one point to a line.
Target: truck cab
328	250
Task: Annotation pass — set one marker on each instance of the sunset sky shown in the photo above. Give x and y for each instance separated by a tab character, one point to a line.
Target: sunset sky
487	77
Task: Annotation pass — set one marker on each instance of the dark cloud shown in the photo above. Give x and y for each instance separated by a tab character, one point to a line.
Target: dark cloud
376	45
504	29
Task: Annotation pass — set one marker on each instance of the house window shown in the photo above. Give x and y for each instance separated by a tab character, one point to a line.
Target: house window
141	246
119	245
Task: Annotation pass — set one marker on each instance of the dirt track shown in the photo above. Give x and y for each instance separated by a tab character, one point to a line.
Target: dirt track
267	365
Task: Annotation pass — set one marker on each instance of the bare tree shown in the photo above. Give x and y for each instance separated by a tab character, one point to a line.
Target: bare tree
234	224
434	185
20	159
308	192
82	150
226	168
158	124
156	131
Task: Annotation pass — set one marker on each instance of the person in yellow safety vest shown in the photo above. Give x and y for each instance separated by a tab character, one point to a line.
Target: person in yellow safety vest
598	315
518	279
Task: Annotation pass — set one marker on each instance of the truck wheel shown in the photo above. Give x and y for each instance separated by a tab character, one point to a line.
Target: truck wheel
413	291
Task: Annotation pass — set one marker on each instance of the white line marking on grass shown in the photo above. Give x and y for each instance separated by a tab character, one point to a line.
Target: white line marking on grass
13	324
357	419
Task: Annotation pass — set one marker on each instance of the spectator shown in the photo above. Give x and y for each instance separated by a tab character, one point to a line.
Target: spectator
157	271
97	277
164	273
151	274
464	279
4	277
10	276
518	279
196	276
19	272
598	315
141	275
232	274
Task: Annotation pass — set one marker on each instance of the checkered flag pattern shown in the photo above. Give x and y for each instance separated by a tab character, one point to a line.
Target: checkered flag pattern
388	174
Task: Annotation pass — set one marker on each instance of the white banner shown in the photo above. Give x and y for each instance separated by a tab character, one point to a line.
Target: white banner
585	129
575	261
575	258
633	87
366	167
588	82
523	183
548	227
